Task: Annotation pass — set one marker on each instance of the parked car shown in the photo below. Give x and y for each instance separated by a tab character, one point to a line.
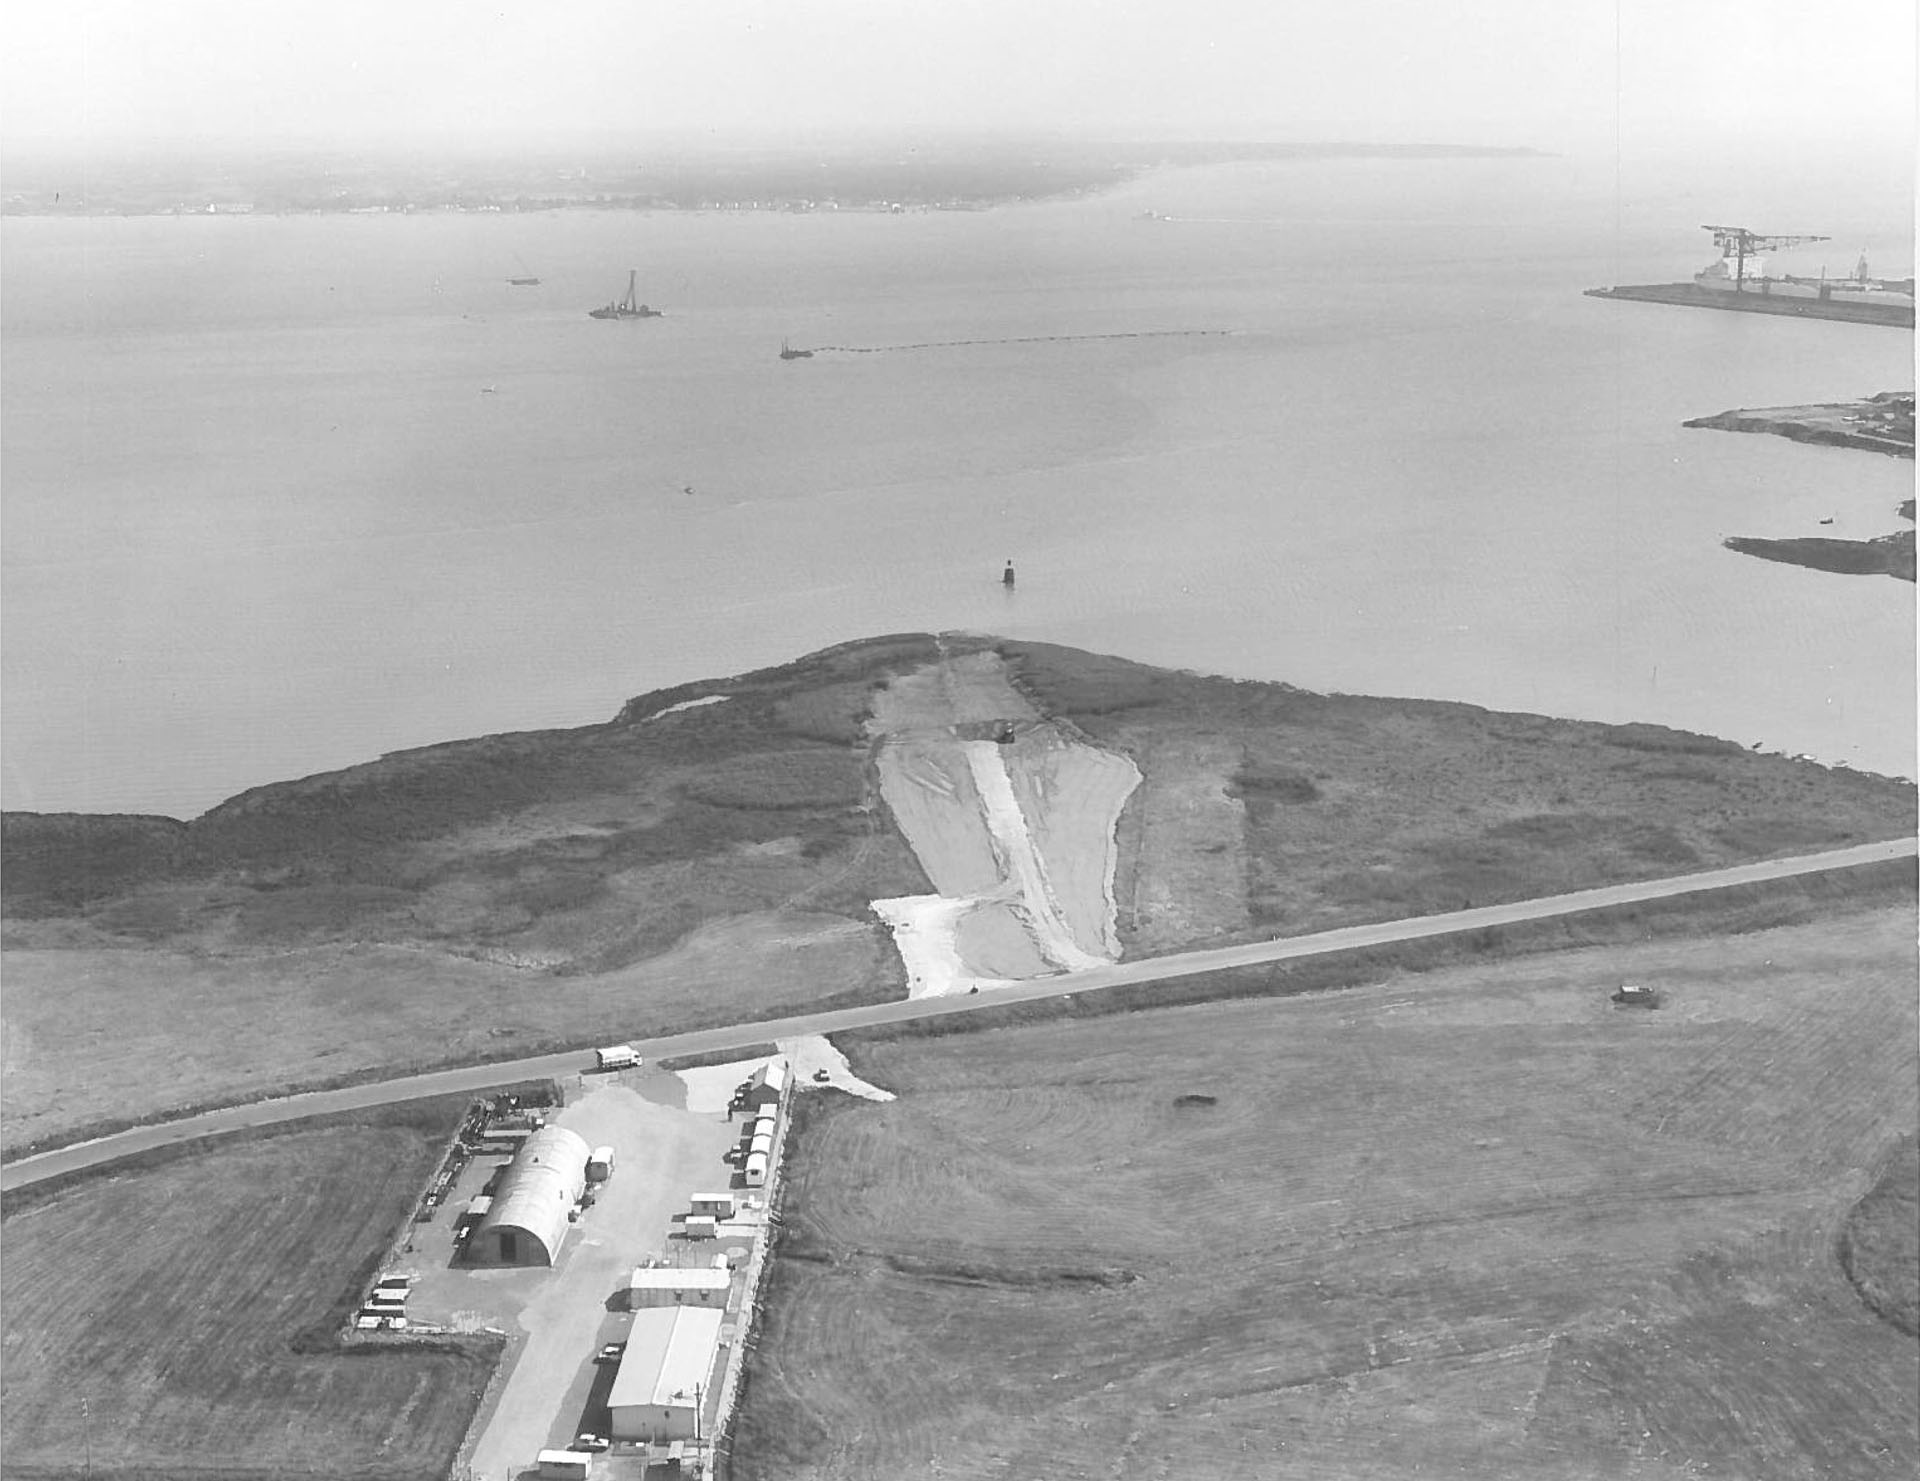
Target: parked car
590	1441
610	1353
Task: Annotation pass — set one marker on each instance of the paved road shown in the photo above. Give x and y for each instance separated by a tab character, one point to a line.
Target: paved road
27	1170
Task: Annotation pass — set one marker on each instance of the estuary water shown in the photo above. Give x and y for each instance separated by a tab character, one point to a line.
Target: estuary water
284	493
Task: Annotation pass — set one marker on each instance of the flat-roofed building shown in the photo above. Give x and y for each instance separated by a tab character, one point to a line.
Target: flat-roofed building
715	1205
665	1373
678	1285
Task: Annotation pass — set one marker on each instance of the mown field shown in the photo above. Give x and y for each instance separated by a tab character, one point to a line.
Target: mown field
193	1305
1478	1223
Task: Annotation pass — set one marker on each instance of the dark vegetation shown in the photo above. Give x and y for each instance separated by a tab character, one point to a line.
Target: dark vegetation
571	845
1359	809
196	1299
1884	555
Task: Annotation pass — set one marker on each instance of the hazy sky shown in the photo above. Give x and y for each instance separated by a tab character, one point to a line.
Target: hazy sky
1552	73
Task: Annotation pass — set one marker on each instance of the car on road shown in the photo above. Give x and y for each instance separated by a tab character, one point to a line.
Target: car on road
610	1353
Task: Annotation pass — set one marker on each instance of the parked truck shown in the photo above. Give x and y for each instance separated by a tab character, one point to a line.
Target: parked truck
617	1057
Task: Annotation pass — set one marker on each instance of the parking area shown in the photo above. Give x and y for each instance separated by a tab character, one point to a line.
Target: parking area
559	1319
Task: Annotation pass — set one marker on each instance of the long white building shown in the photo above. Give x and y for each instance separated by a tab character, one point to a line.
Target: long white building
665	1373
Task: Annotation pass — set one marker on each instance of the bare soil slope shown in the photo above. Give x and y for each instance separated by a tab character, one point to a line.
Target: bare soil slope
1480	1224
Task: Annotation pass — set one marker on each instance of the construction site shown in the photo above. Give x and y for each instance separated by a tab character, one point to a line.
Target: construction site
1737	280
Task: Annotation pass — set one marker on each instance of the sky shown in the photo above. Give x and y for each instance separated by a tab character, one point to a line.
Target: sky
1554	74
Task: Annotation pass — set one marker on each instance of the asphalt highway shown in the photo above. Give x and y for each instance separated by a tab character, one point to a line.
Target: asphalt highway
81	1155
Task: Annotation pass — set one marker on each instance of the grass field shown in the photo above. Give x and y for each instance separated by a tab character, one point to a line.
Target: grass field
193	1304
1476	1223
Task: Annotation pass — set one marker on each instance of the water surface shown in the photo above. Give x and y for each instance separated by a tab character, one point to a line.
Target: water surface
285	493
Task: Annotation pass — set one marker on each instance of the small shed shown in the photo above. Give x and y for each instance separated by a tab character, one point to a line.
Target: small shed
699	1226
561	1465
719	1205
768	1083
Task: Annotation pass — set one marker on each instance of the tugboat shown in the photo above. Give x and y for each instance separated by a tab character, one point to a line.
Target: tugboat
626	308
788	352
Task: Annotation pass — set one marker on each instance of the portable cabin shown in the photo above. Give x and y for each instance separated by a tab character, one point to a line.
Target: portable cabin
756	1170
699	1226
600	1165
565	1465
719	1205
669	1285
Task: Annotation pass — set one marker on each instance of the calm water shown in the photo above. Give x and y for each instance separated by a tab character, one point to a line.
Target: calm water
263	518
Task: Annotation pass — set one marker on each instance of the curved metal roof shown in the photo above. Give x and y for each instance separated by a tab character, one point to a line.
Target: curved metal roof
540	1188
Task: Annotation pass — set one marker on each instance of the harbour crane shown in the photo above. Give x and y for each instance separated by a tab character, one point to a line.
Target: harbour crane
1737	244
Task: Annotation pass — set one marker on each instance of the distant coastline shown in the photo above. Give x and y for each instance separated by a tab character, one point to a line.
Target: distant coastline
947	177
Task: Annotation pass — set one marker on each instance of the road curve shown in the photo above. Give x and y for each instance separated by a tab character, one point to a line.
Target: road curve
24	1171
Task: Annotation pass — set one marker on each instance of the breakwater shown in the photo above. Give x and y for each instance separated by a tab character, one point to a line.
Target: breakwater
1692	295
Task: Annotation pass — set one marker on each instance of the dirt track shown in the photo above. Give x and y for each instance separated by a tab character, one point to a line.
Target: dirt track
1018	837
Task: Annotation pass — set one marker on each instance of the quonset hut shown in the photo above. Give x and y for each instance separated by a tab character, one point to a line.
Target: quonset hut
527	1219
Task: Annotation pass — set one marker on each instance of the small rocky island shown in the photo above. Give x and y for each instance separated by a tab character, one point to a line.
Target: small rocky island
1882	424
1883	555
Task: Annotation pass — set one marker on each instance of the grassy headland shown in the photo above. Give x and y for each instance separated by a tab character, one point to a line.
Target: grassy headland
686	867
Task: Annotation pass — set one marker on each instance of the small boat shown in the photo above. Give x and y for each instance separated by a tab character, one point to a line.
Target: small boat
626	308
788	352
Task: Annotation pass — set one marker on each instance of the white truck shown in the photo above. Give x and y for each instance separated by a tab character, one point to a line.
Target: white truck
616	1057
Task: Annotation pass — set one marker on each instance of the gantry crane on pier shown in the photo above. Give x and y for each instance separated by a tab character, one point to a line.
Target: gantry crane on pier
1737	245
